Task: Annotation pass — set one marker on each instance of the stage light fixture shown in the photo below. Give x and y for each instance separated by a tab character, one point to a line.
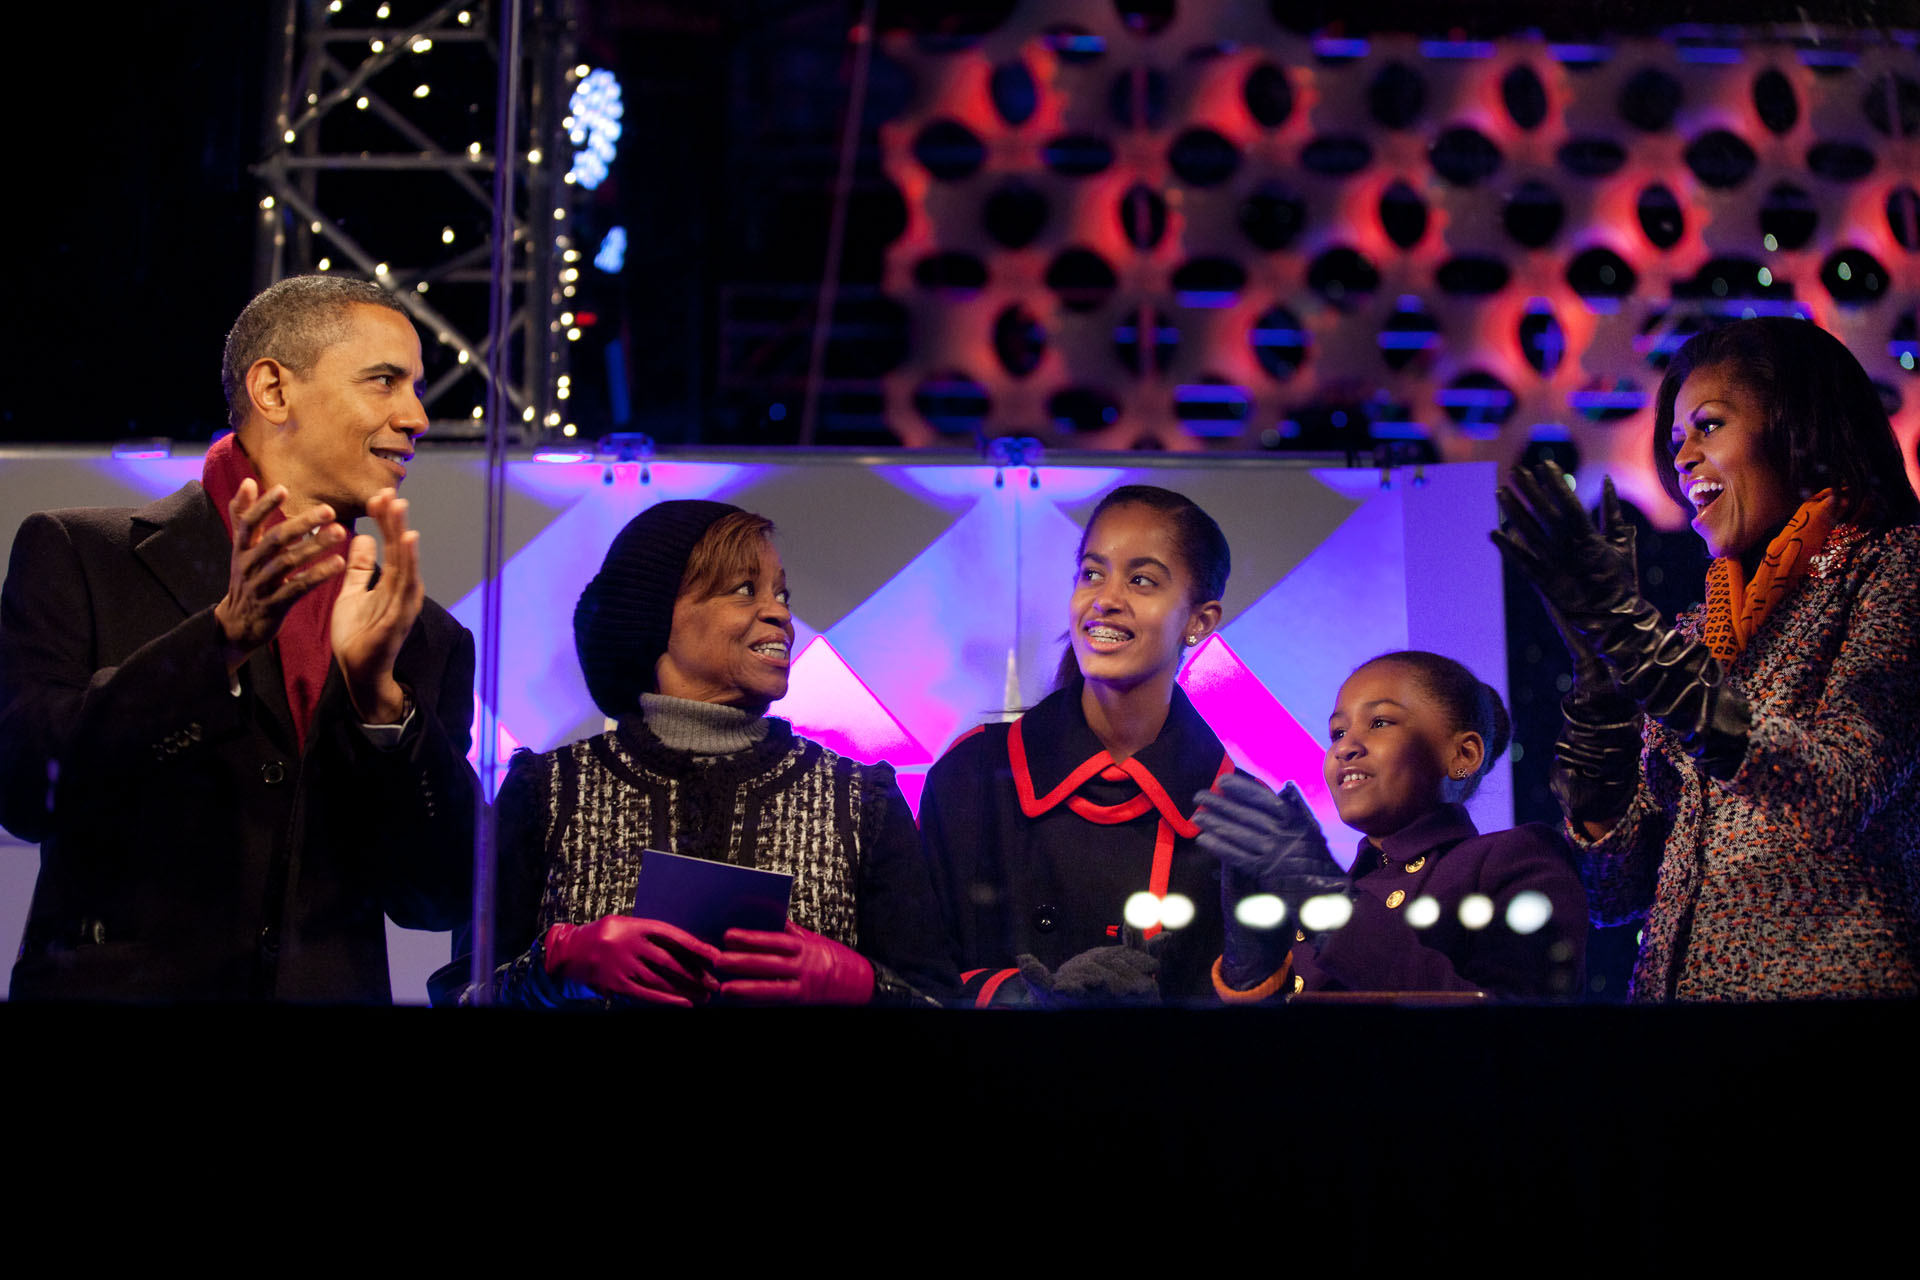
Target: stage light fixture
613	251
596	112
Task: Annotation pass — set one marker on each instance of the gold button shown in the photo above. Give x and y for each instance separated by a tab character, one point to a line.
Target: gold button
1416	864
1299	984
1395	898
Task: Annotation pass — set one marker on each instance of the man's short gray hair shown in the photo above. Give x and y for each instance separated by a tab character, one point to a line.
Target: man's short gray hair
292	322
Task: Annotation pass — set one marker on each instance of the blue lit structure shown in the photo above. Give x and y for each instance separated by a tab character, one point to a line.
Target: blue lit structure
596	110
613	251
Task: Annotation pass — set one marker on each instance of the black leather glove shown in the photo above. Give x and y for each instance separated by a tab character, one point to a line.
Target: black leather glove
1595	766
1266	844
1126	974
1594	688
1596	761
1580	575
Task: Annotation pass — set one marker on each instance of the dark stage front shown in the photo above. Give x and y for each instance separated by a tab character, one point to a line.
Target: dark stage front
1526	1139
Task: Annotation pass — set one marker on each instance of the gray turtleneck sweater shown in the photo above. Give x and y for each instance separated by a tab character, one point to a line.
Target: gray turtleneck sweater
701	728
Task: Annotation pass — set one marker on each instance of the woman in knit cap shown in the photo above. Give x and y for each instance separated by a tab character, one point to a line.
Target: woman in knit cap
684	637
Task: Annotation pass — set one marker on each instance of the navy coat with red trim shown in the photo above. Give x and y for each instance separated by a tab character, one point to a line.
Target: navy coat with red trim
1514	953
1054	884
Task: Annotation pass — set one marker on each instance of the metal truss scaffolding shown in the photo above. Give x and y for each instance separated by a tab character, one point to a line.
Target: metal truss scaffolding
378	158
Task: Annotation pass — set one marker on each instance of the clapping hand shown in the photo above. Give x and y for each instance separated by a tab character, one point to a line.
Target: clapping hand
371	619
1596	755
1585	575
271	568
1266	844
1594	691
1579	571
1270	843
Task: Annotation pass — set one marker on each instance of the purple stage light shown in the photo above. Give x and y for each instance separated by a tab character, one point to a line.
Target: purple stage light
827	702
155	477
507	744
1259	733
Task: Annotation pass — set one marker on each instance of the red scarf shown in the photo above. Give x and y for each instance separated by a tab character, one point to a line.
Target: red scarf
305	641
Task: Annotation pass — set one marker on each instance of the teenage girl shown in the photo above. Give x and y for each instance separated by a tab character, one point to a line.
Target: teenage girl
1039	831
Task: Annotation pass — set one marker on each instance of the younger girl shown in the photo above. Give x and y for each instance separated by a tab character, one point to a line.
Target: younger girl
1038	832
1434	905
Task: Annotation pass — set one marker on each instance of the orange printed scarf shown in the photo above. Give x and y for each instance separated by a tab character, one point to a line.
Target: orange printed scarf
1736	609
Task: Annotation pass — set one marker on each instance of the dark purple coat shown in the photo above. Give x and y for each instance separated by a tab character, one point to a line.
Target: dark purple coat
1389	946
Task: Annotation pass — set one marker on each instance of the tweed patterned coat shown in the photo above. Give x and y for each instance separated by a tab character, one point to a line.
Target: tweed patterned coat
573	822
1799	876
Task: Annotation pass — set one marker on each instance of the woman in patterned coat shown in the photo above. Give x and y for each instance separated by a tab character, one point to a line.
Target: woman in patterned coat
684	639
1745	782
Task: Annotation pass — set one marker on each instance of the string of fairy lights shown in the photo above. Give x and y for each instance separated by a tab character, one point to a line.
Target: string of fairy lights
383	95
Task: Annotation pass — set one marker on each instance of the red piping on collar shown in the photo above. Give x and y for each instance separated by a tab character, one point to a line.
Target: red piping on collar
1152	796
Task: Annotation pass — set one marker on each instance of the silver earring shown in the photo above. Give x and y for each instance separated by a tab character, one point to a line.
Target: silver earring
1192	641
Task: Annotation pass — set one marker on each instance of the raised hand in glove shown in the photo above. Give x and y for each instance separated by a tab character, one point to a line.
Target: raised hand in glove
1596	759
1127	974
632	957
1596	596
1266	844
794	966
1593	682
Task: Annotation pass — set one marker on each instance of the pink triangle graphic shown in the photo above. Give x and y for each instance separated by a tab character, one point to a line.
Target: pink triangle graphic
505	745
913	784
1257	731
827	702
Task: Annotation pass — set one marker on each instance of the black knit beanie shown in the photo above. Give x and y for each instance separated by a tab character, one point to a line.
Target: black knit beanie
621	624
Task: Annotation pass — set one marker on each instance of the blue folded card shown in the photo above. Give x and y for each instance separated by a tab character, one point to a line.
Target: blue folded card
708	898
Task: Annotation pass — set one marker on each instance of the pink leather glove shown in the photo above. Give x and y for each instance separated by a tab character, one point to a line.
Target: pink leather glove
793	967
631	956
